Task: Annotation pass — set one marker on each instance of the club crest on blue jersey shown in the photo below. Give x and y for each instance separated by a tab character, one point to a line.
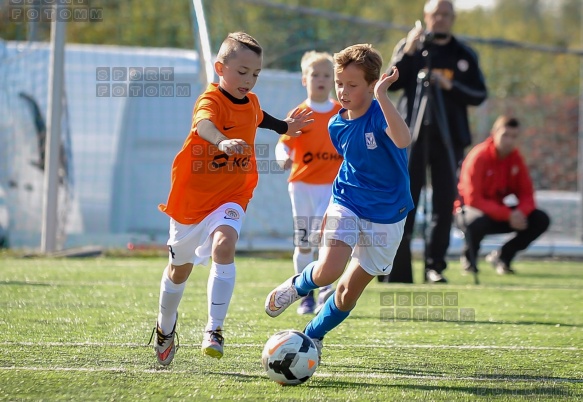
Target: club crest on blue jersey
370	141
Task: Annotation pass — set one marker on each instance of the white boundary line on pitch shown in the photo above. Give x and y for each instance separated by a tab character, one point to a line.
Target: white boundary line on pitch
317	374
257	345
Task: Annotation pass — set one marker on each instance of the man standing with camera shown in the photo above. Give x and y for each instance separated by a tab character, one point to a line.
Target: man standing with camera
440	77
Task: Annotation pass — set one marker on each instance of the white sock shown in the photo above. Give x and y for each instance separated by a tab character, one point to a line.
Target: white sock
301	260
170	295
220	287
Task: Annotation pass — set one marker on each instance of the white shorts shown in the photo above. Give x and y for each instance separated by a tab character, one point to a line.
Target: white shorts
194	243
309	202
374	245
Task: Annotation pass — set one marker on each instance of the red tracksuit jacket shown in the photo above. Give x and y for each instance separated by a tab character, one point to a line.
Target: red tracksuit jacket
485	180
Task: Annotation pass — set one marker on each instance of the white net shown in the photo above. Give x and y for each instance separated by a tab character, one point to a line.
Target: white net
118	146
23	103
121	146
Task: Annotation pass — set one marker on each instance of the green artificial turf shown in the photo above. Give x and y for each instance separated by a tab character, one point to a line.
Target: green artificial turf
77	329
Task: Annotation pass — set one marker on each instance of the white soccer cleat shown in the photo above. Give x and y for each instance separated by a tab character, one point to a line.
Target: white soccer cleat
281	297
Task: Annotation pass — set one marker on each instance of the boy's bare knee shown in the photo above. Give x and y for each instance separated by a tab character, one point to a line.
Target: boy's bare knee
325	276
179	273
344	299
224	244
224	253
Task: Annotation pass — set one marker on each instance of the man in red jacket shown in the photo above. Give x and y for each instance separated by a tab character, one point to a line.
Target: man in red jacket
491	172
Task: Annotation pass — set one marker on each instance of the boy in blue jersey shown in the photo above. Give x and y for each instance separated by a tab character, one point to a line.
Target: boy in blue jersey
370	196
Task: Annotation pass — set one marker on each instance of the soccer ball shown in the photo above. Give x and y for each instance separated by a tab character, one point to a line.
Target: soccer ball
290	357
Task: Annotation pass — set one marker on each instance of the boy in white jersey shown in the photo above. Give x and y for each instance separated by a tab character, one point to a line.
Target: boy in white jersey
370	195
314	163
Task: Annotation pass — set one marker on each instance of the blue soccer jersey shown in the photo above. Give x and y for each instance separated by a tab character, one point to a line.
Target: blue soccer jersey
373	180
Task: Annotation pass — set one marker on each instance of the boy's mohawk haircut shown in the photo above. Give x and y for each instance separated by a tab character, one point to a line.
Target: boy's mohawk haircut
247	40
236	41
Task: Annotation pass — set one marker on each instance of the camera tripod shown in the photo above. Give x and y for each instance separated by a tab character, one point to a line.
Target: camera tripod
428	108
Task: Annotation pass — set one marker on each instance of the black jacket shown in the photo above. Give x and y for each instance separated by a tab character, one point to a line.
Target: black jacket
469	88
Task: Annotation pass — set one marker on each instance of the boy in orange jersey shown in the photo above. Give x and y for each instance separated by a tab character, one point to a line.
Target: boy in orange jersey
212	181
314	163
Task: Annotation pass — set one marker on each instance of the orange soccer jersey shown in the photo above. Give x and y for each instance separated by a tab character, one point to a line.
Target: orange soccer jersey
203	178
315	159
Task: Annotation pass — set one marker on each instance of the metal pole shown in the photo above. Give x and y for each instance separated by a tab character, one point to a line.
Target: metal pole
580	137
204	44
32	25
53	141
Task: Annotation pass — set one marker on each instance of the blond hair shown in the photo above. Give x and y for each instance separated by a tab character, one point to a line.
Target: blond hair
312	57
364	56
236	41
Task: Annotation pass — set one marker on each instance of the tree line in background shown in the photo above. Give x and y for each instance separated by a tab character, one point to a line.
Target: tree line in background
540	87
285	35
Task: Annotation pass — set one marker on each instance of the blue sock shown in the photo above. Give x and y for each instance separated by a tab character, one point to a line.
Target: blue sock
328	319
304	283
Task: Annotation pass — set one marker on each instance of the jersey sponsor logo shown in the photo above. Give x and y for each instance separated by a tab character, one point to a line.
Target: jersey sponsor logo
241	162
325	156
371	143
222	160
514	171
171	252
232	214
228	128
387	267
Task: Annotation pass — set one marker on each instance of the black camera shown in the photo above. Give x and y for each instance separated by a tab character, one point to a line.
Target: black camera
429	37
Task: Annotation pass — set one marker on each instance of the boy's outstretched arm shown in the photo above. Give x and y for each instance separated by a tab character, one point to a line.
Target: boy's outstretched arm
209	132
291	125
297	120
397	129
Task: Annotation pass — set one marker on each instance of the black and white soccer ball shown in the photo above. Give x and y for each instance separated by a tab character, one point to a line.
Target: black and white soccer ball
290	357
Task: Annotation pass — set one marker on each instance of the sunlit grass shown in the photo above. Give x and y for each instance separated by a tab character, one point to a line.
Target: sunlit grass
77	329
